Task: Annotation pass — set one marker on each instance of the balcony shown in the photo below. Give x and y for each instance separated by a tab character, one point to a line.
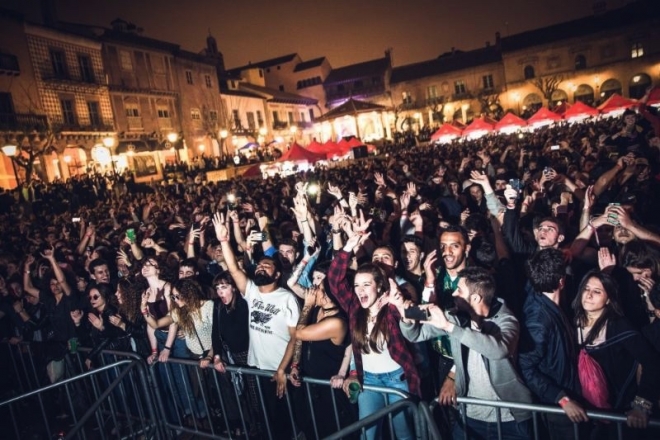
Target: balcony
280	125
241	131
461	96
23	122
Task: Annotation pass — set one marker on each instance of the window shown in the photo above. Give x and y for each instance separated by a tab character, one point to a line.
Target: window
68	112
290	117
125	60
431	92
213	115
207	79
311	114
189	77
250	120
487	81
163	112
260	118
528	72
302	116
459	87
276	117
261	73
132	110
637	50
580	62
58	61
195	114
237	119
86	70
406	97
95	119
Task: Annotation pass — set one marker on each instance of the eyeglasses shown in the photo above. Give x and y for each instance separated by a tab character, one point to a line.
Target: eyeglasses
94	297
175	297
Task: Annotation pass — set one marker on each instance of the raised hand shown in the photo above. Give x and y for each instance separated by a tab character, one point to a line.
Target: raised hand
76	316
95	321
221	232
335	191
606	260
411	189
380	180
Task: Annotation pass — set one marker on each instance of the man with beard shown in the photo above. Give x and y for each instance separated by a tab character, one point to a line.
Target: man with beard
274	314
484	339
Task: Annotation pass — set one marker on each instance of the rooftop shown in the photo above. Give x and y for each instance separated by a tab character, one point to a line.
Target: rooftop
309	64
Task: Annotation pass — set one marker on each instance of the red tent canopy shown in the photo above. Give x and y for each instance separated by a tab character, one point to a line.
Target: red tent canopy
253	171
298	154
510	120
478	124
355	142
580	109
315	147
654	96
544	115
562	108
616	102
446	129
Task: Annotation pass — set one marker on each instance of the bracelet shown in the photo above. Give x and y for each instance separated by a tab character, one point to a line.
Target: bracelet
642	404
450	378
304	262
353	373
334	231
154	350
222	241
304	221
168	348
591	226
432	286
564	401
294	365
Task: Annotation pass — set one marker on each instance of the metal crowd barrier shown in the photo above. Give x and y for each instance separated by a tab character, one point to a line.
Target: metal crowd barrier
111	401
537	410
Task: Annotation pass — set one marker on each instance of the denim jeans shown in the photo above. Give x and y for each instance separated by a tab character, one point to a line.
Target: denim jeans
370	402
478	430
175	381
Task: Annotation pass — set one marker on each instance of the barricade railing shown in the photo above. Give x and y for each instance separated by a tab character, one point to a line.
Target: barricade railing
111	401
537	410
22	362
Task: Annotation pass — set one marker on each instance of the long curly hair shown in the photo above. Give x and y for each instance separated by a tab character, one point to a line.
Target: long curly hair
193	296
131	296
362	340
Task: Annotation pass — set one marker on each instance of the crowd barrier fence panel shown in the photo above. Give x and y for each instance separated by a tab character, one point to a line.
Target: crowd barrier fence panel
538	410
111	401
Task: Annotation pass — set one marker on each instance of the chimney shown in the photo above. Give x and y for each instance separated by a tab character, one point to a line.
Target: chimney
388	55
49	12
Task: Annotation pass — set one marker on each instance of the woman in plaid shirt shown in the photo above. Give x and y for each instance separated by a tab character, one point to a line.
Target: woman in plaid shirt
381	355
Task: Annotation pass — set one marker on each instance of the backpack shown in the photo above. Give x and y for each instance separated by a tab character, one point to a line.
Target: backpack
593	381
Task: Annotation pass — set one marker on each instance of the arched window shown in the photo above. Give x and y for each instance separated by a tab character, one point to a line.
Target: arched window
608	88
585	94
580	62
638	85
529	72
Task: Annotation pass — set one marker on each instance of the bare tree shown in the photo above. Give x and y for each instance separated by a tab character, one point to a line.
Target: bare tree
547	85
490	104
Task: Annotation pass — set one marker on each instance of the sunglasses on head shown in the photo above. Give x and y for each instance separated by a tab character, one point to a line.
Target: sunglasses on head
94	297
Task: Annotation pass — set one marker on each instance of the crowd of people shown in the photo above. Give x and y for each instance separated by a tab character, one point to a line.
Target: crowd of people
519	267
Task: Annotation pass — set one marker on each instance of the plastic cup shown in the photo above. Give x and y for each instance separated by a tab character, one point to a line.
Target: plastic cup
73	345
354	390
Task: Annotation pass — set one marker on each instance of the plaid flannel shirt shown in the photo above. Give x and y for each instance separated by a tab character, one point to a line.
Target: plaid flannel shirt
347	300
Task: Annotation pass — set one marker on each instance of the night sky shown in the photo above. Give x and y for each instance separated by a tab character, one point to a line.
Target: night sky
345	31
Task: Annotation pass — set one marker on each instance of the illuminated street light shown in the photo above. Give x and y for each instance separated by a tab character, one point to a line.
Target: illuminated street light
11	151
172	137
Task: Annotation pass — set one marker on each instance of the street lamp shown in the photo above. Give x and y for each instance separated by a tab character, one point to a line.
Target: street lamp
223	136
109	142
10	151
293	129
173	138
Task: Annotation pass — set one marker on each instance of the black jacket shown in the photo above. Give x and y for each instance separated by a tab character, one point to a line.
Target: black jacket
547	353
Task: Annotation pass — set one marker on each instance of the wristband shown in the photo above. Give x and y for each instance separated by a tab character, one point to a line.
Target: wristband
303	221
450	378
353	373
564	401
168	348
334	231
154	350
294	365
432	286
